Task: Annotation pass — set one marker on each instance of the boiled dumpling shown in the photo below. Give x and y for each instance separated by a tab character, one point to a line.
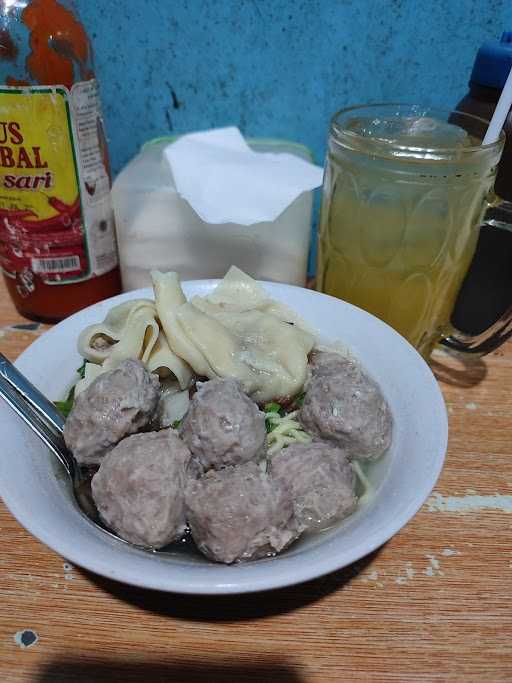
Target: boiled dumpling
236	331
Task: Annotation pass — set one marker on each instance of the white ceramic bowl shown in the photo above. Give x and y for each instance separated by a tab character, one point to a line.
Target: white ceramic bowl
34	486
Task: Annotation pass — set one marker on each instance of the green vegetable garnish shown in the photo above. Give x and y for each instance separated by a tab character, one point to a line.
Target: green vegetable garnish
272	410
176	424
299	399
273	413
270	426
64	406
81	369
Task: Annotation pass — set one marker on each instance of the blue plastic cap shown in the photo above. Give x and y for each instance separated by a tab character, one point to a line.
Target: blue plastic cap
493	62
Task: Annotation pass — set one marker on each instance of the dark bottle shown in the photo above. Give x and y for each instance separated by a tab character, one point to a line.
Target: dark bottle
486	293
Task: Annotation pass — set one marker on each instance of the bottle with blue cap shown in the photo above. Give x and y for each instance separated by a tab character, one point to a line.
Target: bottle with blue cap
486	294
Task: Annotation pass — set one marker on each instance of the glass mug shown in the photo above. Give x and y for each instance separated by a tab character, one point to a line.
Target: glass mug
405	189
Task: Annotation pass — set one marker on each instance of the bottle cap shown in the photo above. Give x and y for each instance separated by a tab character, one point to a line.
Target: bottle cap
493	62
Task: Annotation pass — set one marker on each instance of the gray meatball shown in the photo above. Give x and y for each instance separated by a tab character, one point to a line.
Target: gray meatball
240	513
223	426
139	489
118	402
343	405
321	480
322	363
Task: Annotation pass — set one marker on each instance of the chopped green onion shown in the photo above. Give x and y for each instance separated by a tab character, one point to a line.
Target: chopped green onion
81	369
269	426
272	419
64	406
176	424
272	407
299	399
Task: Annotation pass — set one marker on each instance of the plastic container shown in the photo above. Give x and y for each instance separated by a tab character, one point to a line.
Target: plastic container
57	237
157	229
486	294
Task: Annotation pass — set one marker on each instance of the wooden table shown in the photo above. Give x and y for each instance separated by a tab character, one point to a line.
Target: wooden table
433	604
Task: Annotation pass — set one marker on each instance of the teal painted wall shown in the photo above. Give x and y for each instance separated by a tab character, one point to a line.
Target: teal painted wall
276	68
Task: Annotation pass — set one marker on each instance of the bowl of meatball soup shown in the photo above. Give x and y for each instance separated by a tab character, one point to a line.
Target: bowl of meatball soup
238	436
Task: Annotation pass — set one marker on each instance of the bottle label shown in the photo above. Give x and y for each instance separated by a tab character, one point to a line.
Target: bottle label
56	217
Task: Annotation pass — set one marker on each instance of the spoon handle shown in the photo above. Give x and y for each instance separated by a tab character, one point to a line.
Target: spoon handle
41	406
41	428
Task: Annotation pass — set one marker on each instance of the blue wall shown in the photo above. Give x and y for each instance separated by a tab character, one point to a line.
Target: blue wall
276	68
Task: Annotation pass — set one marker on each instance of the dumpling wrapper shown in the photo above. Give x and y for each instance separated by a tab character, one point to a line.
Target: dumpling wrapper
238	292
133	322
169	298
236	331
130	330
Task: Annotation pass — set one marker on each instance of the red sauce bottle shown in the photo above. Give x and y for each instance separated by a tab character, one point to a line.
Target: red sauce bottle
58	250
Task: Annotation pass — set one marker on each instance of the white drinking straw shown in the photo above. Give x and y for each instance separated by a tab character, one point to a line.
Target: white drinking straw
500	113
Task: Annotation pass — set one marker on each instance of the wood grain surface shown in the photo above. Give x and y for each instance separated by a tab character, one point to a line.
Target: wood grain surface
433	604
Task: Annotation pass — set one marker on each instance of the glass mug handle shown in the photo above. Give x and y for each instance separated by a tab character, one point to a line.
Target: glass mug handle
501	330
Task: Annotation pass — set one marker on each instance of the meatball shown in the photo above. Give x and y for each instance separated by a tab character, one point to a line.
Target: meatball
324	363
240	513
118	402
321	480
343	405
139	489
223	426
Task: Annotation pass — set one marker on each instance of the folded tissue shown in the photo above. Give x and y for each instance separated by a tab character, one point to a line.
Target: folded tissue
225	181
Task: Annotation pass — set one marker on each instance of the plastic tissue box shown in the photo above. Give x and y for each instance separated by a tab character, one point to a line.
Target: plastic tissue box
157	229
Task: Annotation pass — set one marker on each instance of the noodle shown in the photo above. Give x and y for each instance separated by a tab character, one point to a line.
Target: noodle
285	430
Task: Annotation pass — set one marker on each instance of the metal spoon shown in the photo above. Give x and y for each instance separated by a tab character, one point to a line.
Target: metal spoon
40	414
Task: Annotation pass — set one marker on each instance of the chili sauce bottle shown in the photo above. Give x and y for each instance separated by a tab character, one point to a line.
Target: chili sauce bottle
58	249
